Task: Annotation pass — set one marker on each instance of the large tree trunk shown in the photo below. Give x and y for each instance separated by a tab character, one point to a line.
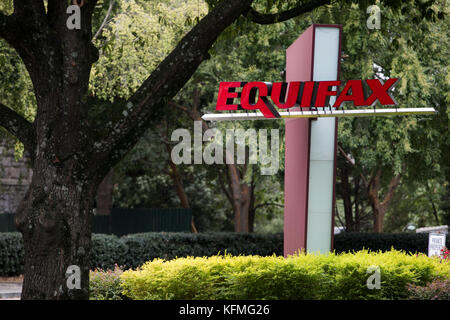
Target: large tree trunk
55	220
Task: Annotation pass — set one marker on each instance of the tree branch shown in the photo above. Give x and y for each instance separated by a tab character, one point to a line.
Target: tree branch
148	103
56	13
339	217
180	107
29	8
29	15
18	127
99	31
352	162
193	113
265	204
261	18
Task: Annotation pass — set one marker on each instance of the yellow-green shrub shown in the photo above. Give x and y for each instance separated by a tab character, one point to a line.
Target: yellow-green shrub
303	276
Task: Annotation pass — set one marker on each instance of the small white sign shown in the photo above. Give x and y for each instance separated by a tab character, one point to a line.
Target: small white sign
436	242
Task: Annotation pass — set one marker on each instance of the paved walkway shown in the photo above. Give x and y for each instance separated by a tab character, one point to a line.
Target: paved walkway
10	290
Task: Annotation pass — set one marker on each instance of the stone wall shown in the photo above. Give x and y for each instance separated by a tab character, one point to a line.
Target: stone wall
15	177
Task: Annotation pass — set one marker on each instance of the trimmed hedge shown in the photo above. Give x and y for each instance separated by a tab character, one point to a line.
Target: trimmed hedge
304	276
148	246
11	254
133	250
409	242
107	251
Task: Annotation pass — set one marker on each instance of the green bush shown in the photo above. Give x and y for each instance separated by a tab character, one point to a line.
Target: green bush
304	276
11	254
107	251
438	289
105	285
133	250
409	242
148	246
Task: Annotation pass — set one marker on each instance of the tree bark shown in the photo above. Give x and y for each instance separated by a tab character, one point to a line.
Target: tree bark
103	200
55	219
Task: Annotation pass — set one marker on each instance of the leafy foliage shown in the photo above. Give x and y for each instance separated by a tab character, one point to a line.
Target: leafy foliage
16	89
435	290
136	40
342	276
105	285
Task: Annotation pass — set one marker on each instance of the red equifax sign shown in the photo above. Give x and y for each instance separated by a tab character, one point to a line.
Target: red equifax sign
306	95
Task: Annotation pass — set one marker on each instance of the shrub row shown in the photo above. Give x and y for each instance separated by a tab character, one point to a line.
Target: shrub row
11	254
133	250
409	242
304	276
148	246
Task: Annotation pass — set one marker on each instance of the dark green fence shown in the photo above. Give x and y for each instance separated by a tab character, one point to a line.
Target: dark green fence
7	222
124	221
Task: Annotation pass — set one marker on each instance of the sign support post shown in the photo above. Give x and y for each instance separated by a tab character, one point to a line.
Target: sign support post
309	183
